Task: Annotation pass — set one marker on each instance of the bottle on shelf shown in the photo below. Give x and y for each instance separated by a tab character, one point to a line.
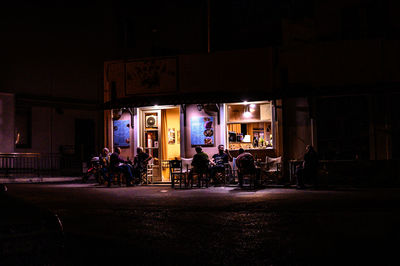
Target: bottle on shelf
149	141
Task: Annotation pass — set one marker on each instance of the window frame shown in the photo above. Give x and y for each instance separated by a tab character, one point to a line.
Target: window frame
26	111
272	121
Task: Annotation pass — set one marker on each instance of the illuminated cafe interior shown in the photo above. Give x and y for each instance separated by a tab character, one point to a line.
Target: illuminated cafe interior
169	132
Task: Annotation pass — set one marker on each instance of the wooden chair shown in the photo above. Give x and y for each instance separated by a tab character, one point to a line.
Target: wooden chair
271	170
148	175
202	176
249	176
176	173
116	176
223	175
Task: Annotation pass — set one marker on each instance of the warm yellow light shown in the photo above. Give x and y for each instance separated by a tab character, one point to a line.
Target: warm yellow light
247	114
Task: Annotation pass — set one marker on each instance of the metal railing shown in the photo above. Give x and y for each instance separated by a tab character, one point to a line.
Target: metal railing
37	164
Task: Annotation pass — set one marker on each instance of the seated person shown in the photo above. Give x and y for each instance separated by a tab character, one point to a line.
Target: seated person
310	165
219	161
200	164
140	163
299	176
308	170
245	165
105	163
119	165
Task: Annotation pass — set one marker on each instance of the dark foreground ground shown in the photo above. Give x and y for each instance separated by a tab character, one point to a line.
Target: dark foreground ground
159	225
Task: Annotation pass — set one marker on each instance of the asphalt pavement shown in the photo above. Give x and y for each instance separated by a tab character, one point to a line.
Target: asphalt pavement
158	225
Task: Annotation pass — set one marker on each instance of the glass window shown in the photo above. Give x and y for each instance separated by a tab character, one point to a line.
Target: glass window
249	125
22	128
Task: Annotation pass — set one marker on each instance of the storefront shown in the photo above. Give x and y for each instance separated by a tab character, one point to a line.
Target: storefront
172	104
170	132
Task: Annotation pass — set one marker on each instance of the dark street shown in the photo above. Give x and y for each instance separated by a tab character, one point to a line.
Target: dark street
221	225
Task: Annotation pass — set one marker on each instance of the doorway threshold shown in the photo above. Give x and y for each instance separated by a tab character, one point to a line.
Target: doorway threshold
160	183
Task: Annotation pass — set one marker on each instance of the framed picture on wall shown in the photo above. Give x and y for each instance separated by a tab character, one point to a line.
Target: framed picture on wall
171	135
121	133
202	131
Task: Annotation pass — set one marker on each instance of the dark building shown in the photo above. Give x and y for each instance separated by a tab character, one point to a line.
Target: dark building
332	68
51	79
329	70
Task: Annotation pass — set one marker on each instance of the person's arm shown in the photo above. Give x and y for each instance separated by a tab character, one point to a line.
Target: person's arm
120	160
193	160
149	157
206	158
230	158
212	162
238	162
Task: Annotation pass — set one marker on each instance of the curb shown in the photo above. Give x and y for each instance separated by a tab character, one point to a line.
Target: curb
28	180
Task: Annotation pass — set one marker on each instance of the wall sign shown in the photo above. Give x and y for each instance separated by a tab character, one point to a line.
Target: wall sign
121	133
202	131
151	76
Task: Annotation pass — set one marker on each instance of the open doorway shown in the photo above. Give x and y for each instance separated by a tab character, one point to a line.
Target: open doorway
160	137
84	138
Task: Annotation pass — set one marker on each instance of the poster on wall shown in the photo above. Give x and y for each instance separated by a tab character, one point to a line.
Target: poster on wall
202	131
171	135
121	133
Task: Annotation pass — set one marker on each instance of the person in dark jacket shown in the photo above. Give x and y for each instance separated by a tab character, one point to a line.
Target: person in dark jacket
310	165
309	169
105	164
200	164
118	164
140	163
219	160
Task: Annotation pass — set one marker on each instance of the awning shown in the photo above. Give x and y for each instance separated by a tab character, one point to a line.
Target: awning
291	91
181	98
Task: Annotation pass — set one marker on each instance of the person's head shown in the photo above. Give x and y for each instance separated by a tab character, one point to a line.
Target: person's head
198	149
221	148
105	151
118	150
241	150
139	150
309	148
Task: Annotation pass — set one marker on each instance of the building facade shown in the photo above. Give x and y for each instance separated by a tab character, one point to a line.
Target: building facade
331	77
169	105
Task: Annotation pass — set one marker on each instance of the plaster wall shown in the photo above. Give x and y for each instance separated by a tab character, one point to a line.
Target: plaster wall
51	129
191	111
6	122
298	127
